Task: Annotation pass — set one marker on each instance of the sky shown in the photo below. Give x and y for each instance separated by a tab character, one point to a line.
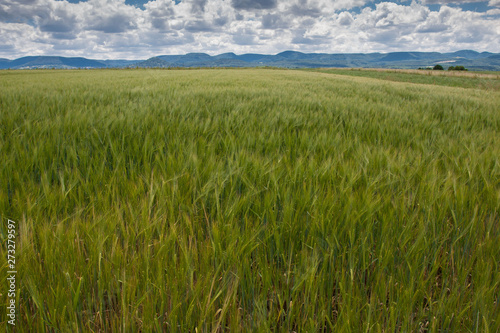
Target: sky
138	29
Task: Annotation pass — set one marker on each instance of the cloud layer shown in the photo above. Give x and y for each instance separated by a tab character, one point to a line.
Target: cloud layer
112	29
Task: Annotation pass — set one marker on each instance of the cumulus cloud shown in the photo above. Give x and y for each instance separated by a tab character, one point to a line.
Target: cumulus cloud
254	4
160	13
345	19
198	6
444	2
491	3
274	21
318	8
113	29
111	16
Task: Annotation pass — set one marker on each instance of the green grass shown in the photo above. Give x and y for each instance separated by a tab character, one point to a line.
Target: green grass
249	200
475	80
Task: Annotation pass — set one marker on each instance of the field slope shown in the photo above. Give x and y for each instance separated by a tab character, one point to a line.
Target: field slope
249	200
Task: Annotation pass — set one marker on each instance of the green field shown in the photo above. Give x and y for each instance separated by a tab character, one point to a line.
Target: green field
254	200
479	80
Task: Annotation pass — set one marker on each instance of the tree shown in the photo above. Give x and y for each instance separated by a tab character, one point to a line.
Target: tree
438	68
457	68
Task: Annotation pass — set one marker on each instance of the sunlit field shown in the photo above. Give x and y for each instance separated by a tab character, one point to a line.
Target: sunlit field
465	79
250	200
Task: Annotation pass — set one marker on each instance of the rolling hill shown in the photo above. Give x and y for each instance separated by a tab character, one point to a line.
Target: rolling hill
287	59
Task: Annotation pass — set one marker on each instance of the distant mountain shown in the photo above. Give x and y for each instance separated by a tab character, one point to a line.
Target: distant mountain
229	55
119	62
51	62
151	63
467	54
287	59
189	60
399	56
295	55
203	60
252	57
81	62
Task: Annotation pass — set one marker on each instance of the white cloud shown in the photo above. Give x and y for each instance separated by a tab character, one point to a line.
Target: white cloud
345	19
113	29
444	2
491	3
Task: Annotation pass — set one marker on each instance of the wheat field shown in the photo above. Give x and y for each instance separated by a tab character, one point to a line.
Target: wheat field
263	200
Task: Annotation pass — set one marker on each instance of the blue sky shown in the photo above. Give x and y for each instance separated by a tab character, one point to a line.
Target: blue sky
137	29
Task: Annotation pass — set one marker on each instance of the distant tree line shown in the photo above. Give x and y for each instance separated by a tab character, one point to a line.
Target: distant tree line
440	68
457	68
